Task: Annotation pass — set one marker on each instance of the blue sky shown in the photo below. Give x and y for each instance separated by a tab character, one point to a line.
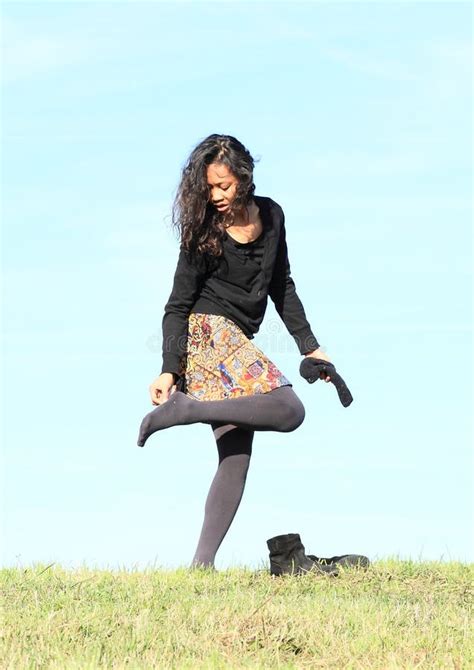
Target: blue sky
359	117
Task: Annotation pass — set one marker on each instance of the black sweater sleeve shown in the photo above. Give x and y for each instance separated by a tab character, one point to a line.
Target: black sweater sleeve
282	291
188	279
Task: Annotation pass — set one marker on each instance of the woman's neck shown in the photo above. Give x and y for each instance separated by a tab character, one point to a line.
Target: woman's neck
248	215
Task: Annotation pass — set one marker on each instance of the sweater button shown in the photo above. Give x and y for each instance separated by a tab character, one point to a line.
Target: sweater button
259	293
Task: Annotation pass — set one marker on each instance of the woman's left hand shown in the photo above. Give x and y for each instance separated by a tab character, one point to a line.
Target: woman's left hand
318	353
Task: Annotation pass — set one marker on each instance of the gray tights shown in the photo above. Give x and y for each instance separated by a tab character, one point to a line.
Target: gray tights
280	410
233	421
234	446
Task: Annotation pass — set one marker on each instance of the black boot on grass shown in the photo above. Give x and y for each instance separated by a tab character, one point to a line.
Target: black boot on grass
345	561
287	557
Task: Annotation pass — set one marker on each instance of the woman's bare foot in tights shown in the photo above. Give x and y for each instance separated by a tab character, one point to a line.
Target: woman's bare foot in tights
170	413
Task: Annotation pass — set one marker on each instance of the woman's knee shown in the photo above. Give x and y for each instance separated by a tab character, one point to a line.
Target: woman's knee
292	412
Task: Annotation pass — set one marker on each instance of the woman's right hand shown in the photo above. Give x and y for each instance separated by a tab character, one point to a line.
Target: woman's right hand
162	387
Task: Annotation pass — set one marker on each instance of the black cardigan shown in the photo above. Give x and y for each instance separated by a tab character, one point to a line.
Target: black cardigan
236	287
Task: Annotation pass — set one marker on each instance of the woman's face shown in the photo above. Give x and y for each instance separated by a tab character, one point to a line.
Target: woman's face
222	186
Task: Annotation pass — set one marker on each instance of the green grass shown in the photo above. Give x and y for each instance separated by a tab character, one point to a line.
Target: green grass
398	614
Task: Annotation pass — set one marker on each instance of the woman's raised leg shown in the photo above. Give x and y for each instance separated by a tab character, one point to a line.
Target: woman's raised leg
280	410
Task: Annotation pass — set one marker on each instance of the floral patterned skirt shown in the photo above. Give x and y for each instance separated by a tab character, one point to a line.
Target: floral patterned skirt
221	362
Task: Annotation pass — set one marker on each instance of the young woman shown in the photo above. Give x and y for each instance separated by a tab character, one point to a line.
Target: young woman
233	256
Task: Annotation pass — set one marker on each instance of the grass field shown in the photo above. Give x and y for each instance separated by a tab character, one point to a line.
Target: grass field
396	615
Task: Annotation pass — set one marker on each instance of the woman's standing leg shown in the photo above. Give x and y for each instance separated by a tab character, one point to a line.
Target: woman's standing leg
234	447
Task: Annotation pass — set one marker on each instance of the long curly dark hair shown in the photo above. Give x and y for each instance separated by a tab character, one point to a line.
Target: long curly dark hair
201	227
